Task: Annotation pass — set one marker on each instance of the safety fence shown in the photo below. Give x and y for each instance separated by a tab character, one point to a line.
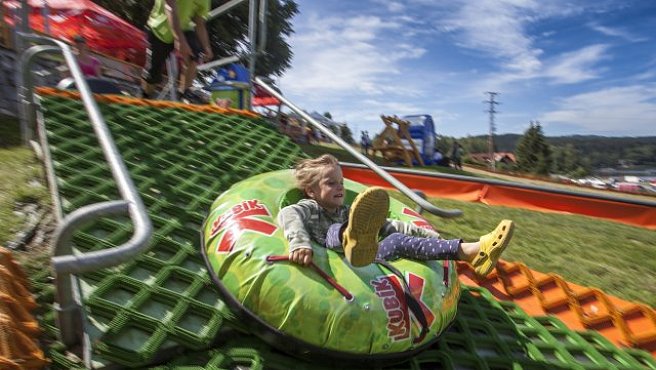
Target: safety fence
641	214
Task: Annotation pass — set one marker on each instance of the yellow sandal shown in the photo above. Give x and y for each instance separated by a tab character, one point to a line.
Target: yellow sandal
492	245
367	215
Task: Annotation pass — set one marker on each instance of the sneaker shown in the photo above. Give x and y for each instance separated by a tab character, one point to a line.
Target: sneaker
367	215
492	245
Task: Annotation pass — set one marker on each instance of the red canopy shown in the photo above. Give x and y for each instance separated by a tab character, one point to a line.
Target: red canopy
104	32
263	98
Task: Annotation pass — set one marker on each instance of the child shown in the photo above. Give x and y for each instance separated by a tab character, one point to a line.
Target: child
324	218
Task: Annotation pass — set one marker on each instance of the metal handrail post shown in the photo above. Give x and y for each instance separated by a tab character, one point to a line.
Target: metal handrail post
223	9
382	173
252	38
262	25
65	265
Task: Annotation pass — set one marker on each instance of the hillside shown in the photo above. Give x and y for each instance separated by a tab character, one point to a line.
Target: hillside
597	151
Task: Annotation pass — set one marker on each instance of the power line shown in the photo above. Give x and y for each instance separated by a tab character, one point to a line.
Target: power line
490	140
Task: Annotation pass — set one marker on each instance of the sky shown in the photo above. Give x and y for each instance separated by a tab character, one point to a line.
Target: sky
579	67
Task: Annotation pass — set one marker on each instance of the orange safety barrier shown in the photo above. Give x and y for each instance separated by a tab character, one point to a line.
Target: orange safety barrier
18	328
509	196
581	308
121	99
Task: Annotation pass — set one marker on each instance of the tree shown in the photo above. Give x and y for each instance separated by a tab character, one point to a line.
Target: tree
346	134
229	32
533	153
328	115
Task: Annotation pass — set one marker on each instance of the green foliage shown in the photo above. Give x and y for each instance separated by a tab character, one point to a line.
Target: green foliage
20	173
328	115
591	152
228	32
346	134
443	143
533	153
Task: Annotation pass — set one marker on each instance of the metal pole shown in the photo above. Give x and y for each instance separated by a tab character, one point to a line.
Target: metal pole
263	25
252	32
382	173
44	13
223	8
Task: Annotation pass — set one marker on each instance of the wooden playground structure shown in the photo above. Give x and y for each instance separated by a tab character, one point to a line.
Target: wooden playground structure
391	144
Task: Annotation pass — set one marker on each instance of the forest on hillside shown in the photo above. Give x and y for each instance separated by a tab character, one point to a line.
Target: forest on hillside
594	152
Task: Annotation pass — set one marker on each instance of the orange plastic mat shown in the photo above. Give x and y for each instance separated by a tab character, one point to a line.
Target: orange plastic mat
18	329
122	99
509	196
624	323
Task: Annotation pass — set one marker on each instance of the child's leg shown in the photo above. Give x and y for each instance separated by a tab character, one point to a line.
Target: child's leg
399	245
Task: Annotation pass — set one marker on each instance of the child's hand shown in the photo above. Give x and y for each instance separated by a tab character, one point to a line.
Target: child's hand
302	256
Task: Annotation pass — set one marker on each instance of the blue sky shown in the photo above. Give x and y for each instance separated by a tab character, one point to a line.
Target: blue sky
577	66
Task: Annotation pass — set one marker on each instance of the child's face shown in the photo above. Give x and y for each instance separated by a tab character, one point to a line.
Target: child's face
329	191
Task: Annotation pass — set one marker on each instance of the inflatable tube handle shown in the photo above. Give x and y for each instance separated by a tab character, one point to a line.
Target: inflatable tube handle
413	305
321	273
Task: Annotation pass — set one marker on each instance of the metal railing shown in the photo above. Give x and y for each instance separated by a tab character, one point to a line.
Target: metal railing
64	262
422	203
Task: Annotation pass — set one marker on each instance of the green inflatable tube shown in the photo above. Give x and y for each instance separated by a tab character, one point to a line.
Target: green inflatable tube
330	308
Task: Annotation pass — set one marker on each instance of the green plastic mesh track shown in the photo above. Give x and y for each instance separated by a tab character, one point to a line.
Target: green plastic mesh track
162	305
180	161
486	335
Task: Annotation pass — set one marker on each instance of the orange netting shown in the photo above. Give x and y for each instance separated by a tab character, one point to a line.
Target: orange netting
581	308
121	99
633	214
18	328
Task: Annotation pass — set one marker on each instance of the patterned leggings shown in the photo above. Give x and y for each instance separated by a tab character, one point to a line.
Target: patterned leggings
398	245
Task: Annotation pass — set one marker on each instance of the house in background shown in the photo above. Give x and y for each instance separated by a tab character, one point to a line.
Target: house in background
499	157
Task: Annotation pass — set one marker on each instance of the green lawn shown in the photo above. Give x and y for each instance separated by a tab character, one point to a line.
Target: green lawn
20	179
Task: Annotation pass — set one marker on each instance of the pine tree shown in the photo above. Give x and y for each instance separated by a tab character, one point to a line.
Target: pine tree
346	134
533	153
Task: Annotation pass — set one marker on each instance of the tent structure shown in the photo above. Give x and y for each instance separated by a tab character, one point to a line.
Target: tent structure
104	31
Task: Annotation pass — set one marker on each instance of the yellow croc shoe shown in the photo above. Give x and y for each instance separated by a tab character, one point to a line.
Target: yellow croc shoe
492	245
367	215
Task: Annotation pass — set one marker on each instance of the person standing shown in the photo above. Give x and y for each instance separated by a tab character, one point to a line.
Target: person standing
90	65
176	25
456	155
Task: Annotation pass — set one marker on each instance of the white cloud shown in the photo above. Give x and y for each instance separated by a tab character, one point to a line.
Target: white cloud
619	109
498	29
576	66
333	55
391	6
616	32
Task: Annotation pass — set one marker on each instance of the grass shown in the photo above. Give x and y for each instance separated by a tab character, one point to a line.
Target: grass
21	179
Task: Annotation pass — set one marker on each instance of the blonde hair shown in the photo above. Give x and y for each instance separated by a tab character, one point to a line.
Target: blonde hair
308	171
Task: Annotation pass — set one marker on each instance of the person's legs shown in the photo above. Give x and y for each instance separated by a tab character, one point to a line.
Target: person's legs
188	72
399	245
156	55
